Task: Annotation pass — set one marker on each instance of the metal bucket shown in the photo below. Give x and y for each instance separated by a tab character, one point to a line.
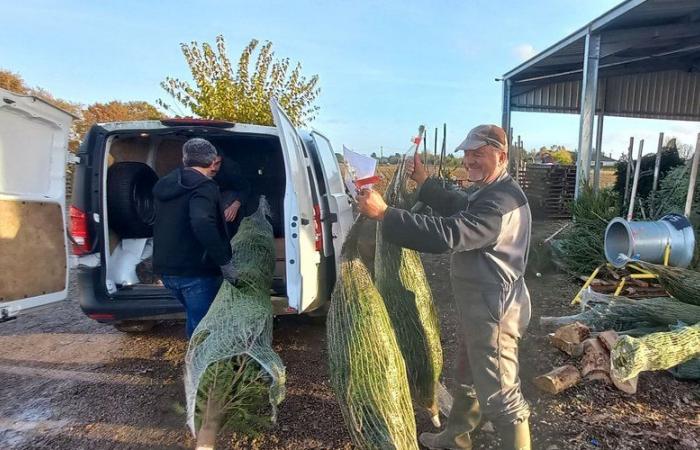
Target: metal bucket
646	240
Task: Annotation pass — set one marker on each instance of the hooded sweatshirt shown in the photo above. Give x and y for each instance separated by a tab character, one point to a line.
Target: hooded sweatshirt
189	233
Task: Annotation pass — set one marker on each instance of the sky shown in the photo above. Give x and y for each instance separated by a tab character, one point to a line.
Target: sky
384	67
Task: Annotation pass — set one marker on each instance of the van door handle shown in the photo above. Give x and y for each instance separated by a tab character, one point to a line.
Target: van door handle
304	221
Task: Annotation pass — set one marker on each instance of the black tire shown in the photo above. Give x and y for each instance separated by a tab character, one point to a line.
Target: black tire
135	326
130	202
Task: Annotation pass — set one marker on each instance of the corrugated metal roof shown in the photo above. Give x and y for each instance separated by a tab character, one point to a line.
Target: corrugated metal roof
672	94
649	64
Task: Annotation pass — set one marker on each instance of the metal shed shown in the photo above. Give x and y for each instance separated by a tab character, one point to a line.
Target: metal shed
640	59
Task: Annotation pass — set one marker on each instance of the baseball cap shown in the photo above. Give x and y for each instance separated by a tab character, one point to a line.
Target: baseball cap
484	135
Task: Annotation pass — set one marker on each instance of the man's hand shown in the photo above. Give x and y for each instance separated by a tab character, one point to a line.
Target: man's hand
371	204
231	212
416	170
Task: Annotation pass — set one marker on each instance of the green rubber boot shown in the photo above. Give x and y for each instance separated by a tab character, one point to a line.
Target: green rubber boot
465	416
516	436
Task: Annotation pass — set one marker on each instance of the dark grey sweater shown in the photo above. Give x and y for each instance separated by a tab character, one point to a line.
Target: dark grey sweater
488	231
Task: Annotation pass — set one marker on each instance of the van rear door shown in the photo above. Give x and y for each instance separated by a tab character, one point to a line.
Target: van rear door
302	258
338	200
33	240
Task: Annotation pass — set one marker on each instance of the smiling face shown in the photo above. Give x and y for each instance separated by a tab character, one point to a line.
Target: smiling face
484	164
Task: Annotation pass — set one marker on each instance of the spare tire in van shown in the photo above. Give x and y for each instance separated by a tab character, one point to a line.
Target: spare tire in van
130	205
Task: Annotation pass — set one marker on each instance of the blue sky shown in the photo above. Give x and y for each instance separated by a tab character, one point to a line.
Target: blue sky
384	67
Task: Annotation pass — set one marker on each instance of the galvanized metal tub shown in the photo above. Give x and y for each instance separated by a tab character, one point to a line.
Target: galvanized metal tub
647	240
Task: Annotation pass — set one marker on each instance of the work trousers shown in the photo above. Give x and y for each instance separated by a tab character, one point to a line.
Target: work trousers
492	319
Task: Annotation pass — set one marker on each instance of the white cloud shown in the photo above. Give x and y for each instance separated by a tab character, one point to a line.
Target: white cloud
524	51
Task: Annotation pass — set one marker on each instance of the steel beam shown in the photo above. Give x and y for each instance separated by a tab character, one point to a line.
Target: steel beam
589	91
598	152
505	121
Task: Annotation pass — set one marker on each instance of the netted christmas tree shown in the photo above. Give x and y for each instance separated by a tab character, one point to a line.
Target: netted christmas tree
233	378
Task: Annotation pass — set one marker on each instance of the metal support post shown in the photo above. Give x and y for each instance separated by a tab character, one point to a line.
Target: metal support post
505	119
598	152
630	149
589	91
657	166
638	168
693	177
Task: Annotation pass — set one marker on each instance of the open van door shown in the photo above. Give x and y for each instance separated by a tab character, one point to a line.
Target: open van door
338	200
302	258
33	241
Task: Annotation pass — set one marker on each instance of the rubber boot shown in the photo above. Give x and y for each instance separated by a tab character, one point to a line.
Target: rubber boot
465	416
516	436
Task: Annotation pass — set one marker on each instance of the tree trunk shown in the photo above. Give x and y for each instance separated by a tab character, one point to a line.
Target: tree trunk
558	379
595	357
211	422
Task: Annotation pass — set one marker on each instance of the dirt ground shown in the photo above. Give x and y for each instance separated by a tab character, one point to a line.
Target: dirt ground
71	383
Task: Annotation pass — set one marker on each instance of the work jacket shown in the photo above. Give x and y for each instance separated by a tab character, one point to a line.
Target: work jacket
487	231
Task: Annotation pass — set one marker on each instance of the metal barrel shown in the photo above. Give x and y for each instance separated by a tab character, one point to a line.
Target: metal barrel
647	240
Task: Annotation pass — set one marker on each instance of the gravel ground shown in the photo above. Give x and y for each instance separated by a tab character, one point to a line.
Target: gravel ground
71	383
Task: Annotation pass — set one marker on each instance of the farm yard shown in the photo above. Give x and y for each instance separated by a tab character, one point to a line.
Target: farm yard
77	384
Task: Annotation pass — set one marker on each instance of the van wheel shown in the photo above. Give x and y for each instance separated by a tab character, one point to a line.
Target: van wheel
130	203
135	326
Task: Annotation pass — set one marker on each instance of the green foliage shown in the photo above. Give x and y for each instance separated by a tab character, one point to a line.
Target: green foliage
237	389
656	351
669	160
563	156
242	94
367	370
582	246
400	279
233	377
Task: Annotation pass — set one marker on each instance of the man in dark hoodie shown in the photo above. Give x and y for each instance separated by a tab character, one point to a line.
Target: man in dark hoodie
191	249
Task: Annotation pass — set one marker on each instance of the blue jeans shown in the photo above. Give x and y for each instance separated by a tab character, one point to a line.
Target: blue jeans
195	293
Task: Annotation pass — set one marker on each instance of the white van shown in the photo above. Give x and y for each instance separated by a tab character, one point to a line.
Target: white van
112	209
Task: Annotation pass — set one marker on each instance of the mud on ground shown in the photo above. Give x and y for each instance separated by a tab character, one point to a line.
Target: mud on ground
71	383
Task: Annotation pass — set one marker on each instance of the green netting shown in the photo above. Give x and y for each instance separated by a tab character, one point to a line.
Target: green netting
681	283
367	371
401	281
656	351
620	313
230	364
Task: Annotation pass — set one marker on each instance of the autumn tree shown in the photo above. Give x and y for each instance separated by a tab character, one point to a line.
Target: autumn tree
242	94
12	82
115	111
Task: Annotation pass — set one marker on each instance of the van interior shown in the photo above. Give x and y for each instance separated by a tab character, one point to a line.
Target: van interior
257	158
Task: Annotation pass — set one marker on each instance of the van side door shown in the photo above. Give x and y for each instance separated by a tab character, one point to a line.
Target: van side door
338	200
302	258
33	240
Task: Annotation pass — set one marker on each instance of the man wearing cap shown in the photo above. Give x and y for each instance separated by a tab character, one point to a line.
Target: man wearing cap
488	233
191	248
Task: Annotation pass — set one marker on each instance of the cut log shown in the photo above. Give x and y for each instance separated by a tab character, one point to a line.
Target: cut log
558	379
595	357
569	348
601	375
608	339
574	333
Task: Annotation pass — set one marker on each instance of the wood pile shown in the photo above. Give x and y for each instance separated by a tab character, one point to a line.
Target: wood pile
549	189
576	340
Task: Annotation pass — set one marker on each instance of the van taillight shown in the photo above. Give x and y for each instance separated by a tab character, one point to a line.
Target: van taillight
79	231
318	228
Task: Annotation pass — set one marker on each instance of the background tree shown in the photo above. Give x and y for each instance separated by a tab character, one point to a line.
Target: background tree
115	111
242	95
